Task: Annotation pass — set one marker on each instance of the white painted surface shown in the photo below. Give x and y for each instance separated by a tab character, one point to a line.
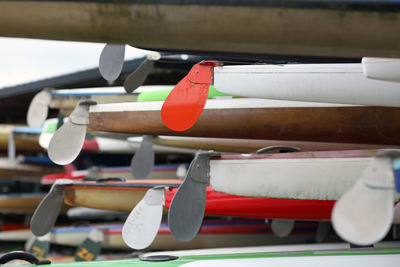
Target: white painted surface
333	83
311	178
317	261
386	69
110	90
239	103
258	249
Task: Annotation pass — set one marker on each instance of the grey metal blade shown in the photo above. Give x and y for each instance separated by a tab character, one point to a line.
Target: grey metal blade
111	61
47	211
143	161
38	108
66	143
282	228
138	77
322	231
186	212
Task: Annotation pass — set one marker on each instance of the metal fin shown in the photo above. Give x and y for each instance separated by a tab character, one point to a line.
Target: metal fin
139	76
282	228
48	209
363	215
186	212
142	224
38	108
111	61
143	161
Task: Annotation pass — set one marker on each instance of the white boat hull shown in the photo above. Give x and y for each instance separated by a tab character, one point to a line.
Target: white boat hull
331	83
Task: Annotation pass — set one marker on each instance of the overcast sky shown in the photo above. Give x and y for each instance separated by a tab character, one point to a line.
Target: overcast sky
26	60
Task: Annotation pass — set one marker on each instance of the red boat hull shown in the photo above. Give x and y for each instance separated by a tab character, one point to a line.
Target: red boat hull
270	208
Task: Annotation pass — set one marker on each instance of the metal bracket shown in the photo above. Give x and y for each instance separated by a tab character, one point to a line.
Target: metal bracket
385	153
80	115
199	169
155	196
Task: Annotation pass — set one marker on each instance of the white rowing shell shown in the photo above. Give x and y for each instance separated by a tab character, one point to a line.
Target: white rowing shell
319	177
310	261
332	83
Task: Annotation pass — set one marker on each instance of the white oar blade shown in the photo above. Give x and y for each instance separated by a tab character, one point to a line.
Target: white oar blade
385	69
282	228
66	143
38	109
363	215
47	211
142	224
111	61
139	76
143	161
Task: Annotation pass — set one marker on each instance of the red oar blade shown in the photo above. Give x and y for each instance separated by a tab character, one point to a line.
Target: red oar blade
186	101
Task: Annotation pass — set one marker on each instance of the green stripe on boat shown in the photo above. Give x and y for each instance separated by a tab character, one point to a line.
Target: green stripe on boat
161	95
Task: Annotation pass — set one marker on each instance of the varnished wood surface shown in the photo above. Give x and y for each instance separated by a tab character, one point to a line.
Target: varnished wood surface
211	26
355	124
252	145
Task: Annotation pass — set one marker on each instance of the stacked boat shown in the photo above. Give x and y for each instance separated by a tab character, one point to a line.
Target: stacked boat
246	160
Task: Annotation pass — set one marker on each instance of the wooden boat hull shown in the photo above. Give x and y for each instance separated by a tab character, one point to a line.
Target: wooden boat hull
260	119
120	196
213	234
106	143
166	171
123	196
23	140
303	175
13	169
25	203
252	145
277	27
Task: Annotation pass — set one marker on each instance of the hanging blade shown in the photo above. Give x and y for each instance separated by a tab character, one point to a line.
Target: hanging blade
143	161
139	76
282	228
323	231
186	211
186	101
38	108
48	209
111	61
67	141
363	215
142	224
